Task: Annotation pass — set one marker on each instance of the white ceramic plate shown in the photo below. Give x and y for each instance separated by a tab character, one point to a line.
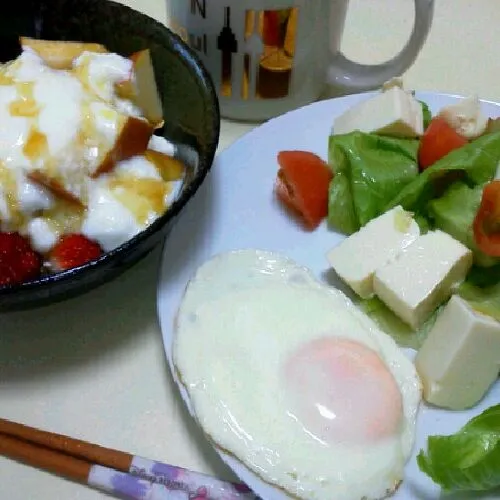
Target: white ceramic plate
235	208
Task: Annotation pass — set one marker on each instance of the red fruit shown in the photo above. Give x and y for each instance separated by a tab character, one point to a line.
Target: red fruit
438	140
487	221
302	185
73	250
18	261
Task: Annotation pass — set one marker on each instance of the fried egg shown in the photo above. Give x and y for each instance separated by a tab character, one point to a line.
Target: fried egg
288	376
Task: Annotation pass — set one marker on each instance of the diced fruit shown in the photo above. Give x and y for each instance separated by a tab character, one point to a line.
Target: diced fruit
302	185
487	221
73	250
141	88
70	184
133	140
18	261
169	168
438	140
54	185
60	54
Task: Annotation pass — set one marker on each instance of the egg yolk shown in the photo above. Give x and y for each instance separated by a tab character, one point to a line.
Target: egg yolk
342	391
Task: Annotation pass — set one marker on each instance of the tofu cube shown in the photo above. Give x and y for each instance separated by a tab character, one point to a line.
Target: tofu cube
393	112
422	277
357	258
460	358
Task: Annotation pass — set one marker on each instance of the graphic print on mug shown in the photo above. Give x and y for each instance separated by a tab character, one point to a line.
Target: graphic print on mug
269	53
260	65
267	57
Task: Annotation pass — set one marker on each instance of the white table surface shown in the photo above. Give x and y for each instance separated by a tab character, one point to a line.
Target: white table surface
94	367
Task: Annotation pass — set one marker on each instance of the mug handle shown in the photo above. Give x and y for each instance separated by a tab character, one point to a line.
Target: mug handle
353	77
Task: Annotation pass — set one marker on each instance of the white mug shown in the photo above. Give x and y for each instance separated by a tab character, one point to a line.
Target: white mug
267	57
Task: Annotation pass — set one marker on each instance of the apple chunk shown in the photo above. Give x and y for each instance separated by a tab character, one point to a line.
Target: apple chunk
132	140
141	88
56	186
92	154
60	54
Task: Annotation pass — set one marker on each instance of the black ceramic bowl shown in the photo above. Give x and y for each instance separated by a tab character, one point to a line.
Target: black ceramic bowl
191	114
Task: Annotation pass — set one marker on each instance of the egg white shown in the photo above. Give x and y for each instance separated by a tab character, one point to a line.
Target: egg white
242	314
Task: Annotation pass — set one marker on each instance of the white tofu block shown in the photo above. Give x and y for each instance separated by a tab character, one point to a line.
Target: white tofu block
460	358
422	277
393	112
357	258
466	117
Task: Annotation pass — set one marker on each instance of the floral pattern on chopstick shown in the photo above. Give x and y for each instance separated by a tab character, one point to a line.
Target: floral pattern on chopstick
150	480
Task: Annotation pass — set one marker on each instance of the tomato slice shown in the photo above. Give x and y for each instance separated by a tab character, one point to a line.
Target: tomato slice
302	185
438	140
487	221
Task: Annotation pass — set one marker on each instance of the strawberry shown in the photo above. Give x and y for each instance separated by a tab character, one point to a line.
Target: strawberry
73	250
18	261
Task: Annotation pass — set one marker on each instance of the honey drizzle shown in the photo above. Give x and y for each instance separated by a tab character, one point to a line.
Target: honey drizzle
25	105
8	183
65	217
140	196
5	78
36	146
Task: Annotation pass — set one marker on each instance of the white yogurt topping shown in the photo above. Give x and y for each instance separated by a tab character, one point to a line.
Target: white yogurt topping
107	221
138	166
67	122
60	97
4	210
42	236
31	197
162	145
103	72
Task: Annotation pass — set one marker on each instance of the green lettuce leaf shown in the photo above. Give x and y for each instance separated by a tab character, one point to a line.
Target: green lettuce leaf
388	322
342	215
484	300
427	114
369	171
475	163
468	460
484	277
454	213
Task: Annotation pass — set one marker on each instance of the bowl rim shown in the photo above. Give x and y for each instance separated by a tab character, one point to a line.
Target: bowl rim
205	162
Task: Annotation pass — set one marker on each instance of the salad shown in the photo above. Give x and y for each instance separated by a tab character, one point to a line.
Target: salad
428	187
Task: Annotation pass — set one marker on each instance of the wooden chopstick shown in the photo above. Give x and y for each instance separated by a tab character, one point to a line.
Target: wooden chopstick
44	458
109	470
93	453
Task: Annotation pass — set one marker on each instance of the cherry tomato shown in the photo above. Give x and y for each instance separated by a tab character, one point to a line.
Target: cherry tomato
302	185
438	140
487	221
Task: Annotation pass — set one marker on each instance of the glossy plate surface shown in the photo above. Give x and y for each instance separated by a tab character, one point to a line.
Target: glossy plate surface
235	208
